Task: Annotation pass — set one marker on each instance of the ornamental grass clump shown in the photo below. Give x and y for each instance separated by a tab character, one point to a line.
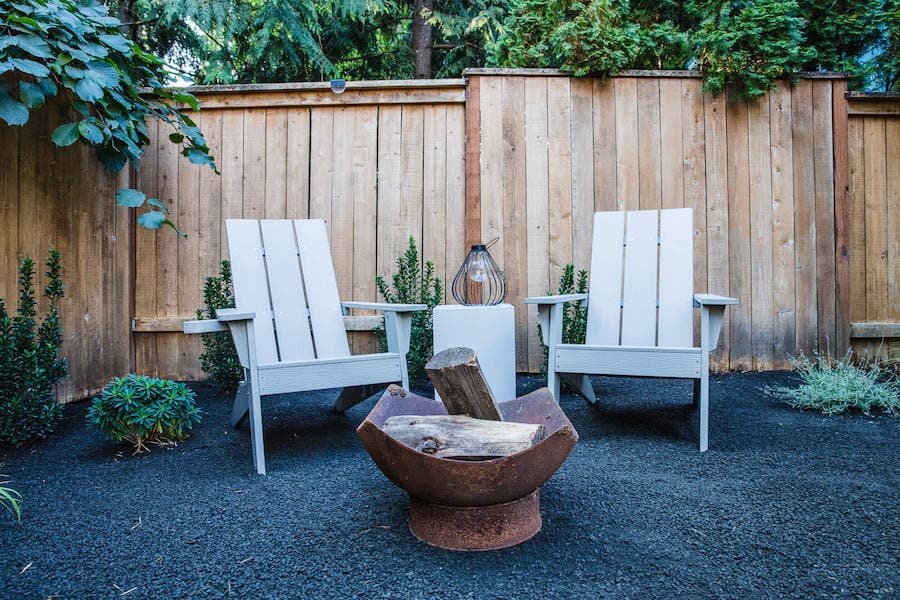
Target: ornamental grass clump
838	386
142	410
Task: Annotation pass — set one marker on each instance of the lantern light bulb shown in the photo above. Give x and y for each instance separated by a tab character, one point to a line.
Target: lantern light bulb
477	271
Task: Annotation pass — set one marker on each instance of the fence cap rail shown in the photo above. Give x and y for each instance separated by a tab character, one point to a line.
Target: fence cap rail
664	73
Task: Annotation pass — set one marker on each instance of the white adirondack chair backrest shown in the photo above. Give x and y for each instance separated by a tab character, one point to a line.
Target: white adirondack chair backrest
642	279
282	271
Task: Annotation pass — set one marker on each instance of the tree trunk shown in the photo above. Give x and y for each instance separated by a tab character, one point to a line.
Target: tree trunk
422	40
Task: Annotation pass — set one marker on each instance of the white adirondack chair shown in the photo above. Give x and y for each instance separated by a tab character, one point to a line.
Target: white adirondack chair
288	324
640	318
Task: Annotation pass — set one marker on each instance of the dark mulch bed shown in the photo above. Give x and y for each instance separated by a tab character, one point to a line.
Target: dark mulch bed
785	504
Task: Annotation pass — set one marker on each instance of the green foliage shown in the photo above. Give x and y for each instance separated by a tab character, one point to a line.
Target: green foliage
743	45
74	50
141	410
219	359
30	364
574	326
748	46
410	285
11	499
838	386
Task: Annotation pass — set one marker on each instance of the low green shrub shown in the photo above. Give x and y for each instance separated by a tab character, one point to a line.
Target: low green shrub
574	324
412	285
11	499
219	359
837	386
30	364
142	410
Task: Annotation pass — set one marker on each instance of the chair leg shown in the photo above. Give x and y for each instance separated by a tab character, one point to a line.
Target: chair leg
581	384
704	412
351	396
241	403
553	383
256	430
696	393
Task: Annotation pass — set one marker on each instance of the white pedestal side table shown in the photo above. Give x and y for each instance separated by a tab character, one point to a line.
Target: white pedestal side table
491	332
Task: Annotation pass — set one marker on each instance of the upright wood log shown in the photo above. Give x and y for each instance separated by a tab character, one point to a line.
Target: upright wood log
461	384
455	436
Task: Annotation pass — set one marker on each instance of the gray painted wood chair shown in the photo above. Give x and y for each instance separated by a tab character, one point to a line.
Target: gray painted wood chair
640	308
288	324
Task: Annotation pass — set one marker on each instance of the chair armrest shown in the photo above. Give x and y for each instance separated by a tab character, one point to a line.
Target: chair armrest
204	326
385	306
713	300
556	299
233	314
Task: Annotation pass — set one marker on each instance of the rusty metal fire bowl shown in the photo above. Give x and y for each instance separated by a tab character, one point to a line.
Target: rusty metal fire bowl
471	505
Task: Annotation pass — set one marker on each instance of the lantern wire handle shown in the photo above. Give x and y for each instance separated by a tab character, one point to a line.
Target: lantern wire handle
491	243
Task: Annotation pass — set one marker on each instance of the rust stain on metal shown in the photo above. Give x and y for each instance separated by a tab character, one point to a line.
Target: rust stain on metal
471	505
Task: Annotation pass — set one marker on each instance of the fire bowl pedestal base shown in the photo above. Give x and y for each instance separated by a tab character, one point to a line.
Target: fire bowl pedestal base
475	528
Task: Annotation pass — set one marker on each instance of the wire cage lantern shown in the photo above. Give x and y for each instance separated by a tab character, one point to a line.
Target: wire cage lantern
479	279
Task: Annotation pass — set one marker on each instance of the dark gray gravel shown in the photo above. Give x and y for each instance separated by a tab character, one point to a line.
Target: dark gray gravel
785	504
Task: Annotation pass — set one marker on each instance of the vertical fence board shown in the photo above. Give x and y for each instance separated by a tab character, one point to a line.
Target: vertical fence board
297	160
454	234
435	188
145	259
389	242
605	190
537	191
694	179
627	169
760	170
492	165
892	180
856	199
342	183
514	208
364	215
823	155
275	165
718	268
804	216
739	247
321	143
559	177
582	170
671	117
782	165
876	221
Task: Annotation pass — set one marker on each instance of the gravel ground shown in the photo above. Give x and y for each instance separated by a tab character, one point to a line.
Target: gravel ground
785	504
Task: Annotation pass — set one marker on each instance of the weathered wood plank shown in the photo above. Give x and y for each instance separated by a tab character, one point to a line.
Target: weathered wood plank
605	190
672	158
412	174
389	240
760	175
582	170
262	100
841	215
648	142
472	144
275	164
739	245
492	165
514	208
823	156
627	163
559	176
457	184
455	436
804	217
875	330
718	269
343	177
146	258
856	199
892	187
321	127
434	196
783	287
876	221
297	159
537	211
365	213
694	152
458	380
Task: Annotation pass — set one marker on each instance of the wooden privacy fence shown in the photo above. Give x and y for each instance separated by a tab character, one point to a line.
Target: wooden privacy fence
795	200
874	232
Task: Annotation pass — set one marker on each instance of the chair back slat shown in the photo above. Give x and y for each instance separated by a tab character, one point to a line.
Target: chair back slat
676	278
251	288
639	287
604	308
642	279
321	289
286	289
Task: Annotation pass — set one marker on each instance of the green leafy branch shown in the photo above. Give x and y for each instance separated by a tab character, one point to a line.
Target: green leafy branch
75	50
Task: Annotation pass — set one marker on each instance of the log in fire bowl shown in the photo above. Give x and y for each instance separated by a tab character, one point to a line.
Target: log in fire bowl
465	504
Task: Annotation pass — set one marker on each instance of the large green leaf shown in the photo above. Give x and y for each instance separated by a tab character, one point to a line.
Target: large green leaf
130	198
117	42
90	132
188	99
33	45
11	110
103	73
88	91
32	94
65	135
153	219
29	66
